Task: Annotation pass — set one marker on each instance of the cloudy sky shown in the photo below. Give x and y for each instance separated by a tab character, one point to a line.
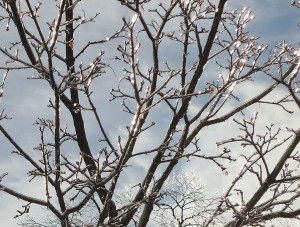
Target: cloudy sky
26	99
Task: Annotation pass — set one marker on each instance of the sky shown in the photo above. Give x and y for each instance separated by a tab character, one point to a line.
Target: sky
26	99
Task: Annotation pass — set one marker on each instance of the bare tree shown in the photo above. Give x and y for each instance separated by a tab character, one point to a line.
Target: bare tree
178	69
185	201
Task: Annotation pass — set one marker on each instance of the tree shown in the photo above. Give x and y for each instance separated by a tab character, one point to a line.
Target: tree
169	105
185	201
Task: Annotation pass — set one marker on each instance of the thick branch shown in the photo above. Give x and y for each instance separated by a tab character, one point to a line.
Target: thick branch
270	179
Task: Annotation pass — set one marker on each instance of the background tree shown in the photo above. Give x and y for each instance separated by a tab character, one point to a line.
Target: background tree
185	201
169	104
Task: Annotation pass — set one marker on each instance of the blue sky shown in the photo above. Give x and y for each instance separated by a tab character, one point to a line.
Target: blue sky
25	100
